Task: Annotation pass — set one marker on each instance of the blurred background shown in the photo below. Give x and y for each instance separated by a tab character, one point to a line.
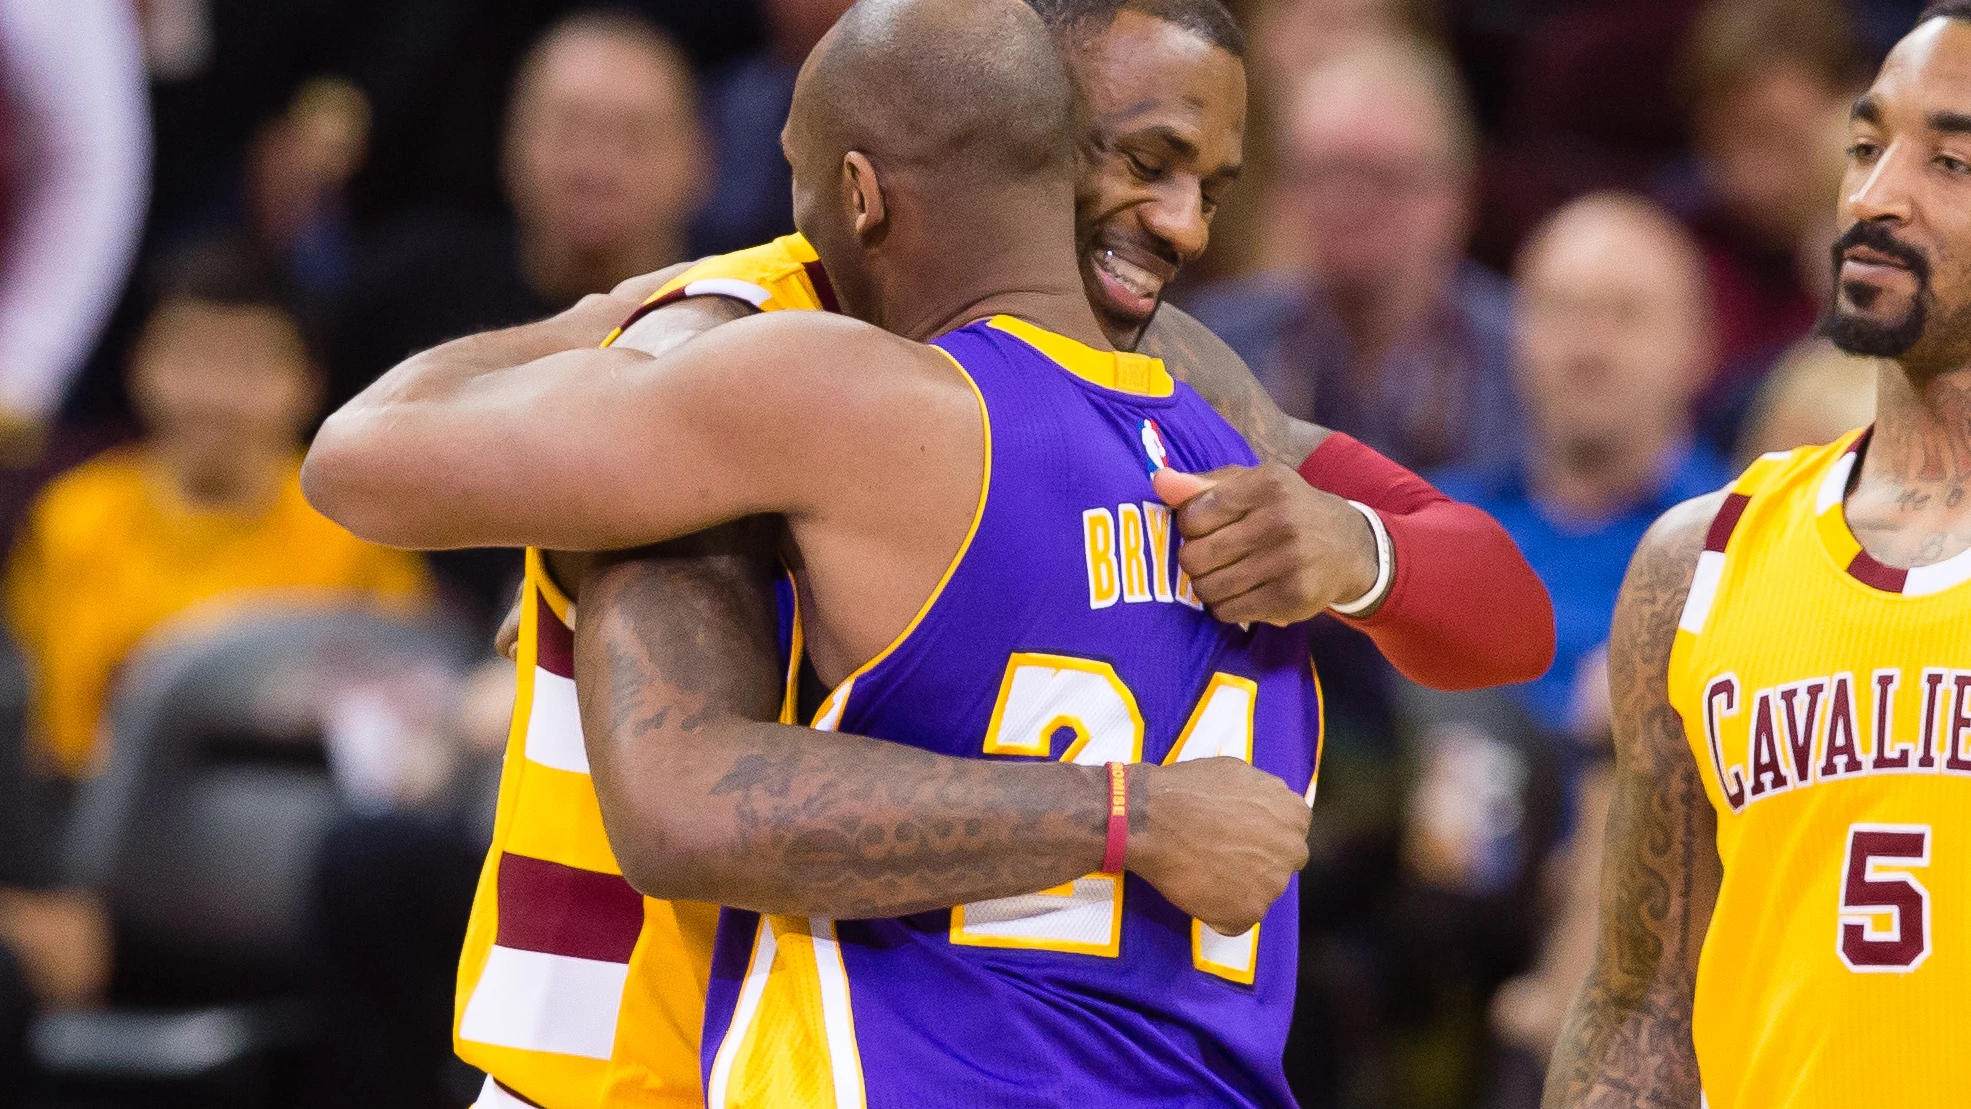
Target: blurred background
1565	256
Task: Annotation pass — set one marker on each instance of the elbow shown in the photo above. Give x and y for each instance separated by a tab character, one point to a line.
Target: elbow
333	481
345	479
659	850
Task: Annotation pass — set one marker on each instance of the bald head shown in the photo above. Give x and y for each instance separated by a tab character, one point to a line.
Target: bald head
928	128
1614	328
951	86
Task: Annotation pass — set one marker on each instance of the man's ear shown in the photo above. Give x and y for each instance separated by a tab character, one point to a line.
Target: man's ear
865	194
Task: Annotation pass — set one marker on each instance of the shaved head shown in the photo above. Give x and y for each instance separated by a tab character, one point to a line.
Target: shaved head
948	123
974	86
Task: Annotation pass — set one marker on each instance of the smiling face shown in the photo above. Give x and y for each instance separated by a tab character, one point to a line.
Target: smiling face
1902	266
1166	118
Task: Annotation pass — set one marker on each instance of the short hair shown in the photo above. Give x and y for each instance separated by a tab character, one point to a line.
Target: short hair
1207	19
227	270
232	272
1733	40
1946	9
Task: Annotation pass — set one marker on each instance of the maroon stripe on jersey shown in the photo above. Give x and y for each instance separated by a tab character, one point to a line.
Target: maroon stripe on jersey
563	910
823	291
1725	522
554	649
650	306
516	1094
1869	572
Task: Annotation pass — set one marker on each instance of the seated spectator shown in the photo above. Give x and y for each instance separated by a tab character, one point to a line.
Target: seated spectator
1379	327
205	510
1815	395
1613	342
746	103
1769	84
604	165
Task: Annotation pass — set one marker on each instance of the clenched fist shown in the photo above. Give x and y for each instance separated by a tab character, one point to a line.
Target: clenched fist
1264	547
1222	841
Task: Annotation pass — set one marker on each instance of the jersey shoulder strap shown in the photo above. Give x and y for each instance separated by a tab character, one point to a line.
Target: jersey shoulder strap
783	275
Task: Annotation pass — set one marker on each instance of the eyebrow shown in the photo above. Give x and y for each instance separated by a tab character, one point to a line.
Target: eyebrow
1867	109
1950	123
1184	147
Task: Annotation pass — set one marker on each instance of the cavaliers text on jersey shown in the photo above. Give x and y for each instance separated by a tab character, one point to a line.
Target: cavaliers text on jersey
1827	701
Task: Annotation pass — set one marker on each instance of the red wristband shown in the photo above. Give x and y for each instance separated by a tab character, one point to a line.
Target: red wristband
1118	818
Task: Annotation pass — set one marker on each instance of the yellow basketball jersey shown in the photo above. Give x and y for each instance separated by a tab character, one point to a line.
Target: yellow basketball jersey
1827	700
574	990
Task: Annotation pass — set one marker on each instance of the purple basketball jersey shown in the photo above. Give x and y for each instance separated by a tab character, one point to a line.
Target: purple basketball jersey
1065	630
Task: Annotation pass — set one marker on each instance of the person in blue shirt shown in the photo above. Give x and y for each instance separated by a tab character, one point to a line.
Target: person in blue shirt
1613	341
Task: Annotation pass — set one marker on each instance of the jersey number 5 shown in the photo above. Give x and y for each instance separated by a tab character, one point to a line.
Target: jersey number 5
1040	696
1877	888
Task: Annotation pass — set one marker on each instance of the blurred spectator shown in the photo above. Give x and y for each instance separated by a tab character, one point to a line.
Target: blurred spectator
298	171
1380	328
1815	395
752	197
1614	340
1296	36
604	165
205	511
74	160
1769	83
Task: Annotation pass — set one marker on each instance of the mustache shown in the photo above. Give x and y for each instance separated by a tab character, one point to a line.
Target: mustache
1878	237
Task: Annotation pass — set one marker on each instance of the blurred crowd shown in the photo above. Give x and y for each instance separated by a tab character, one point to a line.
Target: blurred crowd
1564	256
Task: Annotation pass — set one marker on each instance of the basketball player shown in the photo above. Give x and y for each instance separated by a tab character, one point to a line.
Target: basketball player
1787	895
948	509
1166	91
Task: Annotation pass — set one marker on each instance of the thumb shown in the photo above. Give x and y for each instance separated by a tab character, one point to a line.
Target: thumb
1175	487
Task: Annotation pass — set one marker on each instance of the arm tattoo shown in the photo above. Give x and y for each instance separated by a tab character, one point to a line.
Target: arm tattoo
1627	1042
1221	377
706	799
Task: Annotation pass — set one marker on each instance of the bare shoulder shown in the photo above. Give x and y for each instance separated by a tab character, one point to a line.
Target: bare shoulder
1646	618
1196	356
1660	574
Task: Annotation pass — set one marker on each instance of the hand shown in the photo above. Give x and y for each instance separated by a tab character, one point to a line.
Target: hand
506	641
62	939
1222	840
1264	547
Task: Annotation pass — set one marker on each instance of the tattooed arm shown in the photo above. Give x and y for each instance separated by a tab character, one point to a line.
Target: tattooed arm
674	660
1627	1044
1221	377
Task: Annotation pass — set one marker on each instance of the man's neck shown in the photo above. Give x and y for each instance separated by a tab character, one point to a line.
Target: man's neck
1596	479
941	285
1378	317
246	482
1910	502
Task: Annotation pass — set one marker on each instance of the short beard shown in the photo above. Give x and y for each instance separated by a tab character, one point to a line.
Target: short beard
1868	338
1872	339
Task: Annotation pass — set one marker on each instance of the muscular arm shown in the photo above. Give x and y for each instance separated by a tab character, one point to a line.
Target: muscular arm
674	656
612	448
1627	1044
1465	610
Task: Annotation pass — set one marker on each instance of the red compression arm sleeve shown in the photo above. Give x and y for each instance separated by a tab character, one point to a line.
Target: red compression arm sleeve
1465	610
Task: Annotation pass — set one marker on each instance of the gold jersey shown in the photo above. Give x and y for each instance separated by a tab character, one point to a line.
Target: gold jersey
1827	700
575	991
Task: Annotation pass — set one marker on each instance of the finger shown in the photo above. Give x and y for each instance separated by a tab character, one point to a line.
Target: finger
1174	487
1224	503
1240	539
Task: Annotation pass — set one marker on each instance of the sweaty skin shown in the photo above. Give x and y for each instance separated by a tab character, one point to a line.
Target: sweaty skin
566	452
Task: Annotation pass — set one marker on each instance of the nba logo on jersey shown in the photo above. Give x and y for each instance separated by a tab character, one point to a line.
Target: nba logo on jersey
1153	446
